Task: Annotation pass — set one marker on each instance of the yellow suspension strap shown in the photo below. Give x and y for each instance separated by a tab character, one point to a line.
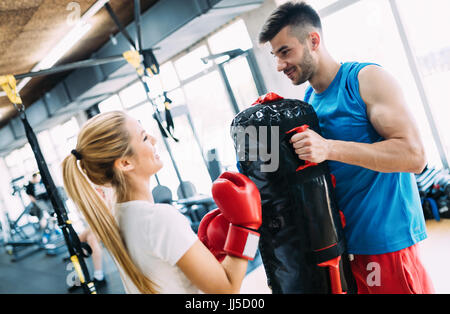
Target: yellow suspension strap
89	285
8	84
134	59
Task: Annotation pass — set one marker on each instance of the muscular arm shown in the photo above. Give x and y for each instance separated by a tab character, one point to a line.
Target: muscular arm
400	151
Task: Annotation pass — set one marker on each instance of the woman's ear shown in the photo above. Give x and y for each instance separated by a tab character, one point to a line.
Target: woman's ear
123	164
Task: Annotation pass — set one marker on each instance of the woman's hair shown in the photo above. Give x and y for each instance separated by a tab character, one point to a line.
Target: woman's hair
101	141
294	14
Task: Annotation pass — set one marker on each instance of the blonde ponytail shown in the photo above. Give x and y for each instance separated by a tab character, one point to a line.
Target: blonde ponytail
92	205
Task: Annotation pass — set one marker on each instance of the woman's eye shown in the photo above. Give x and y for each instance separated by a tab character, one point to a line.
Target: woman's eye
145	138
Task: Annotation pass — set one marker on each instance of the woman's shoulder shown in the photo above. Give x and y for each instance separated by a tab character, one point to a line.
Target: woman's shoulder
141	209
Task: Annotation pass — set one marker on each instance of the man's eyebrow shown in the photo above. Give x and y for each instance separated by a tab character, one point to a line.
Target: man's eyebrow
279	49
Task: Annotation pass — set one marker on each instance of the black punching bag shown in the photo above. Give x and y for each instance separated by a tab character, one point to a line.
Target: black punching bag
302	242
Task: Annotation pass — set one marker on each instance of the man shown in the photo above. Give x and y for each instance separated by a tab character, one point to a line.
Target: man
372	145
38	196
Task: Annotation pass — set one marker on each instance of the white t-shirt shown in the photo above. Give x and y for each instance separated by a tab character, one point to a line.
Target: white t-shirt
156	237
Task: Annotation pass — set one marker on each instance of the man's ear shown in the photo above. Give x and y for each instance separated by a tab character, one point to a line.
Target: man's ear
123	164
315	39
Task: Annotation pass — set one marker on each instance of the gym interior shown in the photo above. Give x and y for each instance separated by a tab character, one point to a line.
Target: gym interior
203	64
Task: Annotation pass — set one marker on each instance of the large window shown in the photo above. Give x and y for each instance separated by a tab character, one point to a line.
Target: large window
64	137
112	103
233	36
168	76
191	64
130	96
212	113
370	34
241	82
427	24
198	90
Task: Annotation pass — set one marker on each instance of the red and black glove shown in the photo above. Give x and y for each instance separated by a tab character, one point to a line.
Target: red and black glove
239	201
212	231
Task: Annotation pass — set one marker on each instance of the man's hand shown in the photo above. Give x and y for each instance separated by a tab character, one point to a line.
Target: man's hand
401	149
310	146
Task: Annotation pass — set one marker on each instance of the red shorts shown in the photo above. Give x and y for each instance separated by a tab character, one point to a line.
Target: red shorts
399	272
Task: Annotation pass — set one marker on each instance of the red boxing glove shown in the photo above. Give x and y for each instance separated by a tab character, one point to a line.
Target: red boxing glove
212	231
239	201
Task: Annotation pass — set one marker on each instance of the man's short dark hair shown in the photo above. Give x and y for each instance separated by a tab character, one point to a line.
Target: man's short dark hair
289	14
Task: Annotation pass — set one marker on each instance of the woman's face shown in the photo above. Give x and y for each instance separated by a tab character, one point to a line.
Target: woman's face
145	159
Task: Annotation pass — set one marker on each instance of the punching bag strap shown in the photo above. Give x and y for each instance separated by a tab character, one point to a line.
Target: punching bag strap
329	253
310	173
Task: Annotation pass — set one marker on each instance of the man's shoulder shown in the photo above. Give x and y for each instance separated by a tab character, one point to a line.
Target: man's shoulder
354	69
361	74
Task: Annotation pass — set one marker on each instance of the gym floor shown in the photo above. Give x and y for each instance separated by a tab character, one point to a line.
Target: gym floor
435	254
43	274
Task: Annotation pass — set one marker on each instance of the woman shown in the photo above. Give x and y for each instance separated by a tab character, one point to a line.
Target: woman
153	244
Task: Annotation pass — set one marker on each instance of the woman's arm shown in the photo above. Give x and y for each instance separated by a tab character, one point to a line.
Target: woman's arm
210	276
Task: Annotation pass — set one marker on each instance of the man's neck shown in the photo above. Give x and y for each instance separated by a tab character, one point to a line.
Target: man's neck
327	70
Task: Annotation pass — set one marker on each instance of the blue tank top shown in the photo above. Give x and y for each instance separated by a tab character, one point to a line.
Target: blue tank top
383	211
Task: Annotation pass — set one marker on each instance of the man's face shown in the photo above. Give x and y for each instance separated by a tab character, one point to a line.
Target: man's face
293	57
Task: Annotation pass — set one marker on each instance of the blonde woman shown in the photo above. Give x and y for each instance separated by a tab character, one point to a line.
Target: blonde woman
153	245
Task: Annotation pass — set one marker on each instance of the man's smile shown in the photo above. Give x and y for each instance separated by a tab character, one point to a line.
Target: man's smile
289	72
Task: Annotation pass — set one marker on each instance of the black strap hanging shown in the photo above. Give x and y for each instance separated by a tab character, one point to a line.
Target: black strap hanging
73	243
150	61
151	67
169	119
74	246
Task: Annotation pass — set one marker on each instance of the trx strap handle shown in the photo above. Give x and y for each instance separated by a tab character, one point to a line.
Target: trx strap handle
70	236
150	68
134	59
8	84
169	119
150	62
